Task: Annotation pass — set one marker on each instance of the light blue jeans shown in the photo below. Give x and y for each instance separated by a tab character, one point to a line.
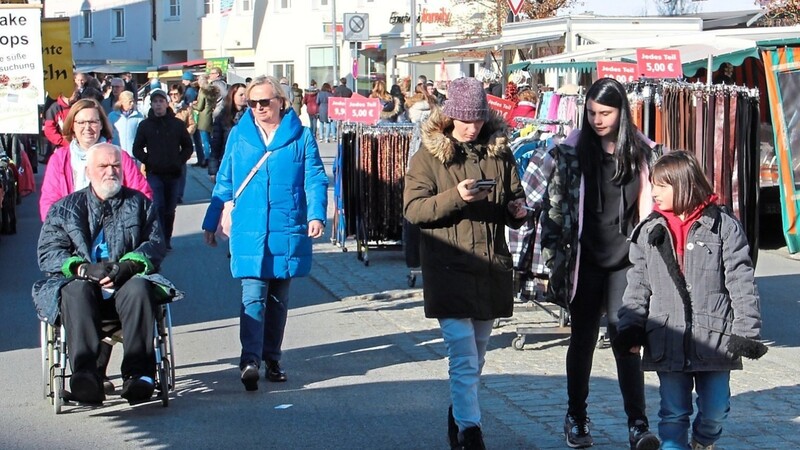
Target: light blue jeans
713	405
466	341
205	138
263	319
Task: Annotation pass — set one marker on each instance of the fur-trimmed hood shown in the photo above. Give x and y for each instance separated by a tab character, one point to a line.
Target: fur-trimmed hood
437	134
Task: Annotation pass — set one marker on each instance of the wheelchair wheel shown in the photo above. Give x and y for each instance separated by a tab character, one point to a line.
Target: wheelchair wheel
58	392
46	352
163	381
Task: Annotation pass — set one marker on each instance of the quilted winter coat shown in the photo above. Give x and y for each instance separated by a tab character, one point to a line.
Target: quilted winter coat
465	260
269	231
685	319
67	235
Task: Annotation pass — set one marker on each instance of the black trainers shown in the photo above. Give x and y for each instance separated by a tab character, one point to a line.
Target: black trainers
576	430
641	437
452	430
275	373
138	389
86	387
473	439
250	376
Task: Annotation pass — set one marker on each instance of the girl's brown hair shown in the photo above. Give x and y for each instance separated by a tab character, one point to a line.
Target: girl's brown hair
690	187
87	103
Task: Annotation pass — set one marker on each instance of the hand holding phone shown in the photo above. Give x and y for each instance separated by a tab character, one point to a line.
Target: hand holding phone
485	184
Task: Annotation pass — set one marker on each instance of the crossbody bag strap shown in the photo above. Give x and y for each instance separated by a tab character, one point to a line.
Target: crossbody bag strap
250	176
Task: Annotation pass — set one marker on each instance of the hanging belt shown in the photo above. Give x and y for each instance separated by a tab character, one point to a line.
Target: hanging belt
698	125
731	156
719	146
708	162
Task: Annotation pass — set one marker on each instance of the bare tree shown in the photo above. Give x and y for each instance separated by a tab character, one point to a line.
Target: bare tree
779	13
676	7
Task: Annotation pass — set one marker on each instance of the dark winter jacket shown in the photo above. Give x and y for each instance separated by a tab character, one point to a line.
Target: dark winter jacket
685	320
562	217
206	102
342	91
322	102
464	256
222	127
131	230
162	144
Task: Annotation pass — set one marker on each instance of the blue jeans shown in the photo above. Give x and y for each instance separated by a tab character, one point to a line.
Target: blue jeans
713	405
205	138
325	128
165	199
466	341
313	118
262	319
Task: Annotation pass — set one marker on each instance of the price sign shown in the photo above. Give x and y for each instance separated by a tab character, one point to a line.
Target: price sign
337	108
364	110
652	63
500	105
620	71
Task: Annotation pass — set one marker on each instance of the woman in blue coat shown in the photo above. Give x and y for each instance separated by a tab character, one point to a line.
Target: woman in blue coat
277	214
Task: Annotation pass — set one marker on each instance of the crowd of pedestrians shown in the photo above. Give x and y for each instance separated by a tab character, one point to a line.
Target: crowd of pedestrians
687	314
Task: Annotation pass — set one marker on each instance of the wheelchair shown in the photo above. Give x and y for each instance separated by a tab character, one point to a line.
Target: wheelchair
55	357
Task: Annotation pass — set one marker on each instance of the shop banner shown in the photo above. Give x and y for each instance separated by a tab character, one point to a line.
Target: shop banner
500	105
222	63
337	108
364	110
57	57
659	63
21	80
620	71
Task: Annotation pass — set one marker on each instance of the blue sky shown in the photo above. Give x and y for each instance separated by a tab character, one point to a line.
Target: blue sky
639	7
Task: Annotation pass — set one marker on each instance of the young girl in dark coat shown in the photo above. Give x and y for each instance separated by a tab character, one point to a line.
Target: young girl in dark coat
691	301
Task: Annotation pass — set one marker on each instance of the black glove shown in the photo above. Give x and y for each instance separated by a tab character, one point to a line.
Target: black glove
96	271
749	348
628	338
122	272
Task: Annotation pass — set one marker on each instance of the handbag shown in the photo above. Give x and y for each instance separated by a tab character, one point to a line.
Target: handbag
225	221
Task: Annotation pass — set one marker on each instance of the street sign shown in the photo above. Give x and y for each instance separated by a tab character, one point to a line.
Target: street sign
659	63
356	27
620	71
516	6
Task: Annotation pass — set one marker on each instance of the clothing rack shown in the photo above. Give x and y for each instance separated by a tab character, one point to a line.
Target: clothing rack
369	171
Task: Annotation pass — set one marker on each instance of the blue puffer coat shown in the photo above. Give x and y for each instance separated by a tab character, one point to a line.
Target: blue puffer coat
269	232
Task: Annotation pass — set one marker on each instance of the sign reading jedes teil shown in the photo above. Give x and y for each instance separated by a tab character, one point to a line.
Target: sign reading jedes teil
355	109
620	71
659	63
21	73
500	105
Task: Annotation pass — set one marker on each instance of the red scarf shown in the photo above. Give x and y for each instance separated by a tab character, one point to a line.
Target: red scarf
679	228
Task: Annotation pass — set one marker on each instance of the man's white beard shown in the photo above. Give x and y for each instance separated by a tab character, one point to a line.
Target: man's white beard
106	191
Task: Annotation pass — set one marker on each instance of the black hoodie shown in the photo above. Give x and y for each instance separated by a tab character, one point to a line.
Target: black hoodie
162	144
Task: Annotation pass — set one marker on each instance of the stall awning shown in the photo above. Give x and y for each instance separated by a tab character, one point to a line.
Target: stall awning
470	49
113	68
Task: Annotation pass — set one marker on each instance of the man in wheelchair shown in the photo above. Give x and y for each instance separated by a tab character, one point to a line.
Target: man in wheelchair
101	247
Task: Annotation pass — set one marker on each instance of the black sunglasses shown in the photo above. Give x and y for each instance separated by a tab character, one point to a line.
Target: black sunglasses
264	102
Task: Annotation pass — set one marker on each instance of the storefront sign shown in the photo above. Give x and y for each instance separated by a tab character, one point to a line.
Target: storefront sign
355	109
620	71
662	63
222	63
57	57
441	17
21	69
500	105
396	18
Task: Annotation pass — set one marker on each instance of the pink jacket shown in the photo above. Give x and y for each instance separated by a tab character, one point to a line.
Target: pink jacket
58	181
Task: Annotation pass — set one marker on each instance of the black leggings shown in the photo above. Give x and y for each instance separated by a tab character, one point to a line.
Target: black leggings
600	290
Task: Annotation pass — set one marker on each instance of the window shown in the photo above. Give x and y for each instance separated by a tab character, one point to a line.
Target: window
285	4
118	23
280	70
86	24
174	9
208	7
320	65
247	5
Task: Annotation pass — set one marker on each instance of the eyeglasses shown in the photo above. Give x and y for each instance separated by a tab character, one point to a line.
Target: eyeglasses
264	102
174	93
83	123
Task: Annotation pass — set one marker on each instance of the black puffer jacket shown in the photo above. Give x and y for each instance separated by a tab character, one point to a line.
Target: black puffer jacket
219	137
162	144
130	224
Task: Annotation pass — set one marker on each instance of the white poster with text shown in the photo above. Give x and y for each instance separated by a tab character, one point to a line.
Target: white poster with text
21	69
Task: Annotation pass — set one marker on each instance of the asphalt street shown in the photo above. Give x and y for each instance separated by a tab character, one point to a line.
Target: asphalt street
366	369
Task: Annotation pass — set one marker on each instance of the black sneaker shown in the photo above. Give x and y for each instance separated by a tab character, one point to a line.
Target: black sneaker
250	376
138	389
86	387
577	432
275	373
641	437
452	430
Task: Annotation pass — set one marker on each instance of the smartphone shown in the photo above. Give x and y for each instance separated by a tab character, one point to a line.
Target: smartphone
485	184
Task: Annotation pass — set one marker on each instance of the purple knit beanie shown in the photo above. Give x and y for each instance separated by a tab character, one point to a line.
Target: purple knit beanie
466	100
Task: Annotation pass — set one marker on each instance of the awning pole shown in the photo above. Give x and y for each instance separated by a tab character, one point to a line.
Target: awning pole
412	68
708	70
